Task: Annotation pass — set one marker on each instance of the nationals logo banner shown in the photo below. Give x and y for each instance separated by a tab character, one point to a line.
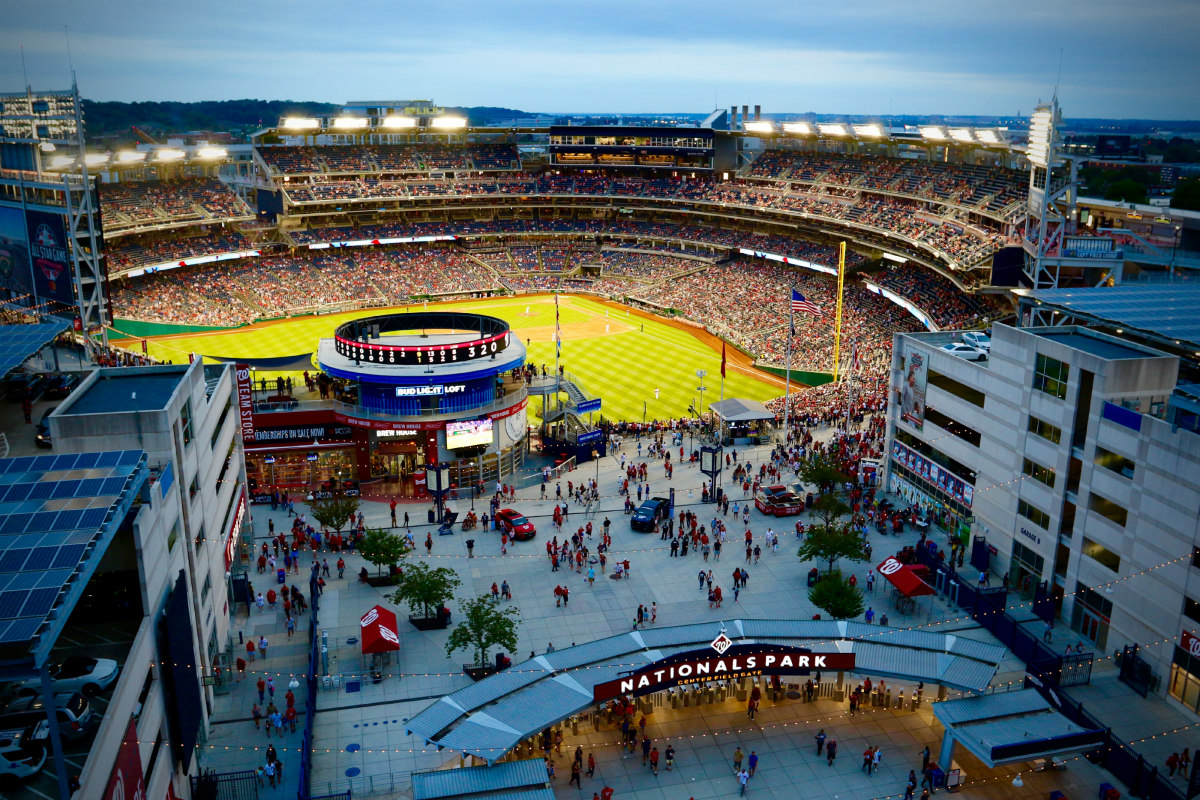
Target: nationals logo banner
51	257
126	781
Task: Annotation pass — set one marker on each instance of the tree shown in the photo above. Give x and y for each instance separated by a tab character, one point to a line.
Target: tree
822	472
334	512
1128	190
424	588
484	624
829	509
381	547
1187	195
830	544
834	595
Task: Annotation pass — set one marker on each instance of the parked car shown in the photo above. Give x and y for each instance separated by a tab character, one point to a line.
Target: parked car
778	501
22	754
969	352
60	385
978	339
514	524
76	674
72	709
42	436
23	385
650	513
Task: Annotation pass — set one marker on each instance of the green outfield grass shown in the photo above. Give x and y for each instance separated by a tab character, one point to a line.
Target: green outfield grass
618	357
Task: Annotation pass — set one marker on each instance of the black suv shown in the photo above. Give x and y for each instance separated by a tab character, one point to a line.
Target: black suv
650	513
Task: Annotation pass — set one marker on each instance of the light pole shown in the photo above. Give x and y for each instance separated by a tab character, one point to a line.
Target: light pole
700	373
1174	247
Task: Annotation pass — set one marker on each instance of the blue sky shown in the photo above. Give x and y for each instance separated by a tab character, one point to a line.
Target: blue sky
857	57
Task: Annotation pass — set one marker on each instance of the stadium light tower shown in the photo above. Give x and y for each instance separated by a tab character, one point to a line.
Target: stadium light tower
1054	253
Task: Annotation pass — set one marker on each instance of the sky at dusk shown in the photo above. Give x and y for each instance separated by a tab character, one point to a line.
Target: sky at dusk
873	57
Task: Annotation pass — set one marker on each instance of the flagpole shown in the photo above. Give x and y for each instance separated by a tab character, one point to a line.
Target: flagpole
837	333
787	392
722	370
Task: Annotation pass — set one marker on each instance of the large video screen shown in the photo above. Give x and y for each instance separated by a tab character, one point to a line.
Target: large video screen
470	433
15	276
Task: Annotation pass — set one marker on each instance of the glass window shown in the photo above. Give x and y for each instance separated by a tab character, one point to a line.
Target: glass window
1102	554
1038	472
216	434
1115	462
1050	376
172	536
1040	427
1033	514
968	435
1107	508
185	423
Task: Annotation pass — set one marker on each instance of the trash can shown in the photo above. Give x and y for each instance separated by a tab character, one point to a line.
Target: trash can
432	516
281	576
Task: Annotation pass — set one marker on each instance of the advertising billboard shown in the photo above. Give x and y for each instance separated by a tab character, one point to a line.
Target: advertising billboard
51	257
15	276
469	433
911	391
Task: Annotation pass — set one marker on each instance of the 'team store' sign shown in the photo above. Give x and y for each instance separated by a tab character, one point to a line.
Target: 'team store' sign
729	662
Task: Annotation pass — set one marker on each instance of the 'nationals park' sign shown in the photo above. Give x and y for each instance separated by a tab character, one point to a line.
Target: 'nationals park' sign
724	661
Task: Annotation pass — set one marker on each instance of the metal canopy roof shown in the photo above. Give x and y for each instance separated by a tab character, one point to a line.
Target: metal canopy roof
1171	311
508	780
19	342
1013	726
489	718
738	410
57	514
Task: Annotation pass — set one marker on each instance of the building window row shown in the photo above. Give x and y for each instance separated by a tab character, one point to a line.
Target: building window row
956	388
936	456
1050	376
1115	462
1108	509
1038	472
1100	553
1034	514
1039	427
950	425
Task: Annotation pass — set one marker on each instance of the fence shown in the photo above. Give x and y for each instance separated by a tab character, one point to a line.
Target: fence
226	785
1049	673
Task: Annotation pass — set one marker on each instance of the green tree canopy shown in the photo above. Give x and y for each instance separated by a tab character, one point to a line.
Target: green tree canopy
424	588
829	509
483	625
382	547
1127	190
335	511
829	544
822	472
1187	195
836	597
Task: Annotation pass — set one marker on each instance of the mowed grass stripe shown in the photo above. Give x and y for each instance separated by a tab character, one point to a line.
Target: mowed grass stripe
623	367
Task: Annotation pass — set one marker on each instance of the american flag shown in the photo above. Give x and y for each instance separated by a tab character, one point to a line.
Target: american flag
799	303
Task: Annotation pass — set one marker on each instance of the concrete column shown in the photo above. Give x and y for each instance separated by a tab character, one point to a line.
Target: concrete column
946	754
941	693
841	677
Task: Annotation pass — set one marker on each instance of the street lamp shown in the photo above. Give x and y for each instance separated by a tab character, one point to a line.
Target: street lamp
1174	247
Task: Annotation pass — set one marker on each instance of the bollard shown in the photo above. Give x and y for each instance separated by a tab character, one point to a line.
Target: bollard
575	726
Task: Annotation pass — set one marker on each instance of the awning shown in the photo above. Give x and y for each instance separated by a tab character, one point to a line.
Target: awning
379	631
739	410
904	577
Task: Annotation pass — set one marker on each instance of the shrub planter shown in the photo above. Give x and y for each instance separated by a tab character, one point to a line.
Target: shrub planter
428	623
479	673
380	581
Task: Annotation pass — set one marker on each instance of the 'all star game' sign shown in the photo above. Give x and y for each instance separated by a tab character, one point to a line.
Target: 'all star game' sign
723	660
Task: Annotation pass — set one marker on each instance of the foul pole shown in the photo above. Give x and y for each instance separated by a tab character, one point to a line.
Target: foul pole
837	332
787	391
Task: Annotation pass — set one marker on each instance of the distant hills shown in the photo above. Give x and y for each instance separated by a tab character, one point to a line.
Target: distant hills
114	119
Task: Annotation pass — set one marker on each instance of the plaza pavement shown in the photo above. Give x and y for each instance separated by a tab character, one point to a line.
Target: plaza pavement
360	743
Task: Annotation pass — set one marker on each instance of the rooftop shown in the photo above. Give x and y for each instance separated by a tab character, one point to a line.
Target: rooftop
1092	344
19	342
55	512
1169	311
126	389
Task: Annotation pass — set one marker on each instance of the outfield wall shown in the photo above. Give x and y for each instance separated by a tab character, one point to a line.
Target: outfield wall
799	376
137	329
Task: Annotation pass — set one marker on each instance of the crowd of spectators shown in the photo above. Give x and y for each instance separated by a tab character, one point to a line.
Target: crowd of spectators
141	203
947	305
135	251
749	303
643	266
290	160
958	242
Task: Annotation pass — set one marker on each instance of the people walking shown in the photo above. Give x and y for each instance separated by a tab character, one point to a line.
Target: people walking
820	737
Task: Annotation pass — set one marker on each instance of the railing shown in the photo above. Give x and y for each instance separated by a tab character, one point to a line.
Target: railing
358	412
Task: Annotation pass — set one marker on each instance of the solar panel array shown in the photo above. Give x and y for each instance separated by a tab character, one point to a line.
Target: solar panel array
19	342
52	510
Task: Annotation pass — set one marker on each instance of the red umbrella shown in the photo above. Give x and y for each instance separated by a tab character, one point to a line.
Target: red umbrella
379	631
904	577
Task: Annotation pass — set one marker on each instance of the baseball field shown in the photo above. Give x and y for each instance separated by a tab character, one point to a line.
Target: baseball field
623	356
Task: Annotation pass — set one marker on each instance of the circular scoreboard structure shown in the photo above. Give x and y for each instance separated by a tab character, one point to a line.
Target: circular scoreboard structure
422	338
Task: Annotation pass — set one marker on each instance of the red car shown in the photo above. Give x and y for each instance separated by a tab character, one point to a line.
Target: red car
516	526
778	501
